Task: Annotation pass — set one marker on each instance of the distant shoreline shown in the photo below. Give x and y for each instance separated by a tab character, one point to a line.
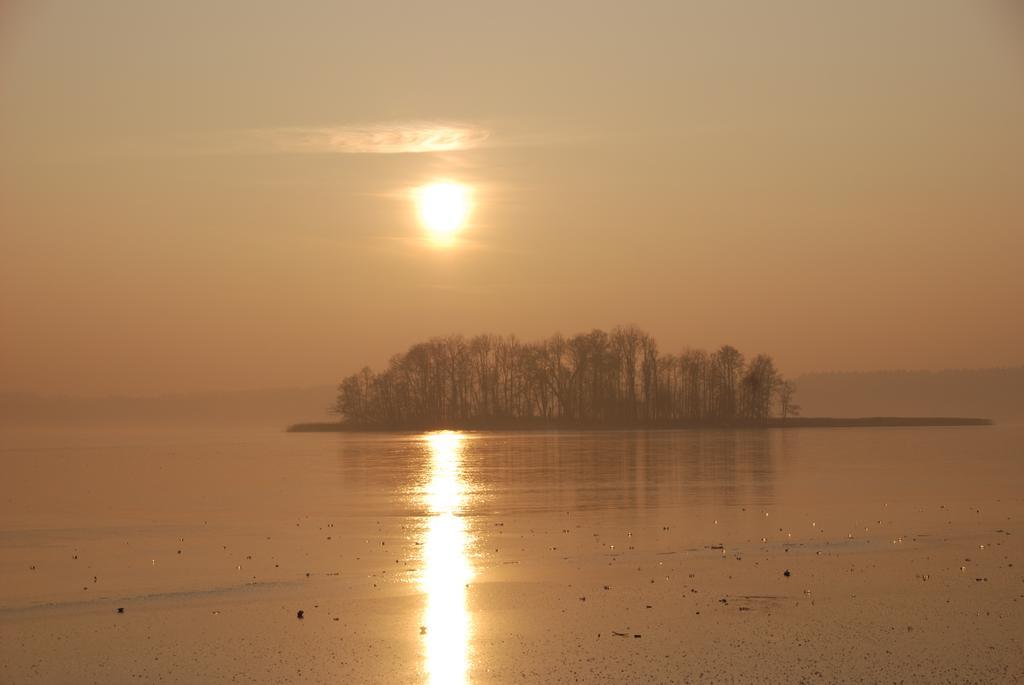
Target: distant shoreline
798	422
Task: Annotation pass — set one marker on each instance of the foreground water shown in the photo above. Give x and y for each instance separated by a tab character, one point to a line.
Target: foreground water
817	555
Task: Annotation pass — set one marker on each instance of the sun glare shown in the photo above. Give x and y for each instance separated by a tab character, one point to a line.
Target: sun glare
443	209
447	627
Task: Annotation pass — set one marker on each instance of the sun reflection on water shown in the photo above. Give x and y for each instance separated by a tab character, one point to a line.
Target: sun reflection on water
446	564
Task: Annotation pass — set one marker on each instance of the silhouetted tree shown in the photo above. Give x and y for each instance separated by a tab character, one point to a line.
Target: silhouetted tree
616	378
784	391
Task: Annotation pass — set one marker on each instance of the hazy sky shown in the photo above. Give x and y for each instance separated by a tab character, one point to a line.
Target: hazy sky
199	195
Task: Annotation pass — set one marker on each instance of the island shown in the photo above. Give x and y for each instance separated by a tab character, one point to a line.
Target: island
617	379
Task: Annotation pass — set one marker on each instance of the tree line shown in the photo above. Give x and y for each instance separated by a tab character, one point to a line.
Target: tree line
616	378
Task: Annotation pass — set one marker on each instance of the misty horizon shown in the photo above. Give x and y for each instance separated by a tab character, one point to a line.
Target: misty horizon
987	393
212	390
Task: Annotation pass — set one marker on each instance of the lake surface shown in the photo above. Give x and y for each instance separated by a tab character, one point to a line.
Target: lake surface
626	556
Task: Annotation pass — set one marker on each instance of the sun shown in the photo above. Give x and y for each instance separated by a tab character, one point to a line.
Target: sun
443	208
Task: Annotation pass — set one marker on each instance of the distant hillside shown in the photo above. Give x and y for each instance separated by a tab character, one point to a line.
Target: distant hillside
271	407
991	393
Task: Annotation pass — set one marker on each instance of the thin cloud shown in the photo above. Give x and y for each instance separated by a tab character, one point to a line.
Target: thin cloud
392	138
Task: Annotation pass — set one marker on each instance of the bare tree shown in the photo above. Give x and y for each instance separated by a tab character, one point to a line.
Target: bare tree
601	378
784	392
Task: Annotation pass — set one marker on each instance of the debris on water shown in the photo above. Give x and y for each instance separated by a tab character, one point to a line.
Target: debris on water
787	573
423	629
637	635
300	614
618	634
120	610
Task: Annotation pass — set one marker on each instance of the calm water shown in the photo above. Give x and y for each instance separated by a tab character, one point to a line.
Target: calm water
93	519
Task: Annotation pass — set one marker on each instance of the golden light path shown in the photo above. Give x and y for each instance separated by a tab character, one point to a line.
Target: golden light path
447	568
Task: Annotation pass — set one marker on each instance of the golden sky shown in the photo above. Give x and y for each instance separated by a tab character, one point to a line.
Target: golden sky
217	195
